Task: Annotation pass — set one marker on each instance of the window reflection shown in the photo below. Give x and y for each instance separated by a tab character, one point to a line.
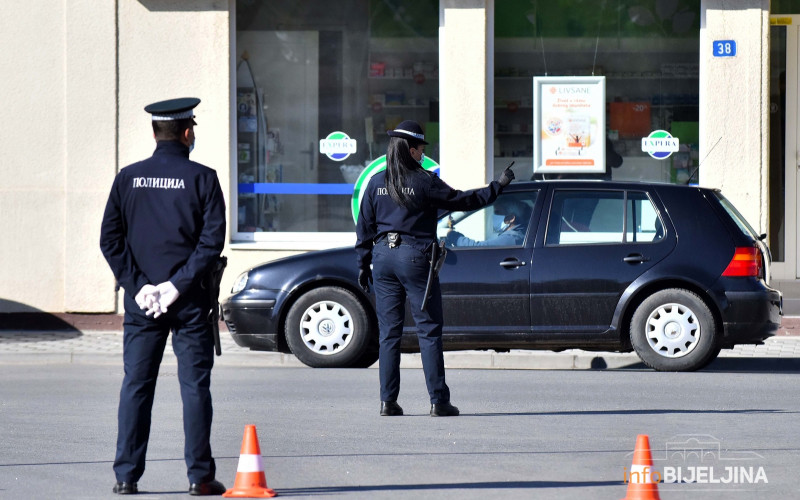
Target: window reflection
649	55
335	71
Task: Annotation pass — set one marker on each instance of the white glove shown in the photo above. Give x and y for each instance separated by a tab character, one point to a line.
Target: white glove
146	297
167	294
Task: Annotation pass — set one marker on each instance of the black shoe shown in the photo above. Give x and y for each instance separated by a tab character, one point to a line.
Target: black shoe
212	487
443	410
390	409
123	488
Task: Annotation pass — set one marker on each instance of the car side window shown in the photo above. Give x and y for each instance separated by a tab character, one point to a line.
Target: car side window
643	223
580	217
504	223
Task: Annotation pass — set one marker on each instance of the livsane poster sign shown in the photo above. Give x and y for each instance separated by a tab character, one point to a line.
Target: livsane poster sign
569	124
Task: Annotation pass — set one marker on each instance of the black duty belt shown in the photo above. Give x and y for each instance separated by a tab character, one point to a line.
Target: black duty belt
395	239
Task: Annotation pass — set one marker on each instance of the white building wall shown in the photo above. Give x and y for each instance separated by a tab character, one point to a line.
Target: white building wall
734	105
89	152
33	145
77	75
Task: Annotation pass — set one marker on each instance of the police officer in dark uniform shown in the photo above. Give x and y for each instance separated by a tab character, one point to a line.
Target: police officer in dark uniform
162	231
396	229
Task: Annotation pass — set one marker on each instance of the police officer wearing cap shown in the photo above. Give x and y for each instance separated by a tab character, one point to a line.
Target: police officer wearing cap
162	231
395	231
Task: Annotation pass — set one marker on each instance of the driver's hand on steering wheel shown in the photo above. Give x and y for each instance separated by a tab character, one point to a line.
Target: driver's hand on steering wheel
452	237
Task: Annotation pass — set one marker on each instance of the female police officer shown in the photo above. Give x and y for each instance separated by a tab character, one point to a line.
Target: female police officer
396	229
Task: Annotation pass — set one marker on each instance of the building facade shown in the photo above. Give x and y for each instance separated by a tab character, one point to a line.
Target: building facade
297	96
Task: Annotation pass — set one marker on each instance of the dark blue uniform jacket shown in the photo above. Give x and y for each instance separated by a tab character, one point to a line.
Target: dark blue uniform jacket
164	220
379	214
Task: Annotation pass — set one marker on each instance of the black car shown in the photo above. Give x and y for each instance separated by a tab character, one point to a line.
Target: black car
672	272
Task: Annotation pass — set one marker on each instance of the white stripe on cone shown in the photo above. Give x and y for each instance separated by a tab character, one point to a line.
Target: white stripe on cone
641	477
249	463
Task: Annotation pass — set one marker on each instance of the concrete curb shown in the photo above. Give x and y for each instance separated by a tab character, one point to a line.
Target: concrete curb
533	360
105	348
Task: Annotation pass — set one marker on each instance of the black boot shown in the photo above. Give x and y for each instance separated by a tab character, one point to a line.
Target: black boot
390	409
125	488
212	487
443	410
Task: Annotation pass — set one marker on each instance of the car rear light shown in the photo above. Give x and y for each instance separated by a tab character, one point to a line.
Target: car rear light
746	261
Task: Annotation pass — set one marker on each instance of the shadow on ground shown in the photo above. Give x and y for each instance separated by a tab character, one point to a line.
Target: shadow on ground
754	365
21	324
442	487
732	365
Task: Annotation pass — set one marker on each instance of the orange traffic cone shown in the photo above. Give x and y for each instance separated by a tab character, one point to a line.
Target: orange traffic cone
250	480
640	478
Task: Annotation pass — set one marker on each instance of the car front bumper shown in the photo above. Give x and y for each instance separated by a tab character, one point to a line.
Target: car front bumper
251	323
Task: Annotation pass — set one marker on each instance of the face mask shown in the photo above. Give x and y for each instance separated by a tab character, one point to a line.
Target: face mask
191	147
498	224
421	158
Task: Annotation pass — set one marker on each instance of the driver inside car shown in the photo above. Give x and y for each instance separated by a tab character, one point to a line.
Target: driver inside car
509	223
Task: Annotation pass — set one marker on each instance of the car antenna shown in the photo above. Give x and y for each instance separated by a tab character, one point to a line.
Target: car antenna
701	162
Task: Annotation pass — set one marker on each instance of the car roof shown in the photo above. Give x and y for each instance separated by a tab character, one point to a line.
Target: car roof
599	183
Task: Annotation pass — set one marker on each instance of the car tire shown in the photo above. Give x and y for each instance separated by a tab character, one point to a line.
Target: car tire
328	328
674	330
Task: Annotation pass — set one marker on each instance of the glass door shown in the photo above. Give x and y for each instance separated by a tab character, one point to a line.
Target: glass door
784	161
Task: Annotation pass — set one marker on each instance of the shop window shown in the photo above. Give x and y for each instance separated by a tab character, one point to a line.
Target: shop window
647	51
337	71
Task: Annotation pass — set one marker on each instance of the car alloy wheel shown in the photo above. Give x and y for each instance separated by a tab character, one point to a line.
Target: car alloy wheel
327	327
674	330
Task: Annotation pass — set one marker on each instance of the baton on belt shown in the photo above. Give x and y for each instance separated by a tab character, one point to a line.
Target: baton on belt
213	291
438	254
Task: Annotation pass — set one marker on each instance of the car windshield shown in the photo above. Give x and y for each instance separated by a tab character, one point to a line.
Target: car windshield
737	217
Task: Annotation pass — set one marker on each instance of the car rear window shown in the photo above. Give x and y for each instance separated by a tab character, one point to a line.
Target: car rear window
581	217
740	221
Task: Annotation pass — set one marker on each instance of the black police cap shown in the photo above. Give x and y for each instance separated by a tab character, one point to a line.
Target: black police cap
173	109
408	129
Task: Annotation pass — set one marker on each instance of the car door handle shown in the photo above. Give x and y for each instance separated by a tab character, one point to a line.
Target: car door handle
636	258
512	263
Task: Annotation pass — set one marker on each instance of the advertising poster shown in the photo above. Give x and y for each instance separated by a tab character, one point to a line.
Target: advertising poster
569	124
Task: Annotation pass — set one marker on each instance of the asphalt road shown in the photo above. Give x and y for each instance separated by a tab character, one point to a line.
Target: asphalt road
522	434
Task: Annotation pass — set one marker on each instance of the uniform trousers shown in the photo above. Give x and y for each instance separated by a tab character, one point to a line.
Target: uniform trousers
143	348
399	273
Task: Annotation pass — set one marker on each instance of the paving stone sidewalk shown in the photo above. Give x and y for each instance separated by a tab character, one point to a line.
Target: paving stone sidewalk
105	347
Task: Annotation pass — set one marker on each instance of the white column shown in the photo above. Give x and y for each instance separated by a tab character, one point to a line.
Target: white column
466	30
171	49
734	105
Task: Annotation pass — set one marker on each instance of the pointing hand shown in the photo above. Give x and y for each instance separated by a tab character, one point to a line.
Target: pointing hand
506	177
